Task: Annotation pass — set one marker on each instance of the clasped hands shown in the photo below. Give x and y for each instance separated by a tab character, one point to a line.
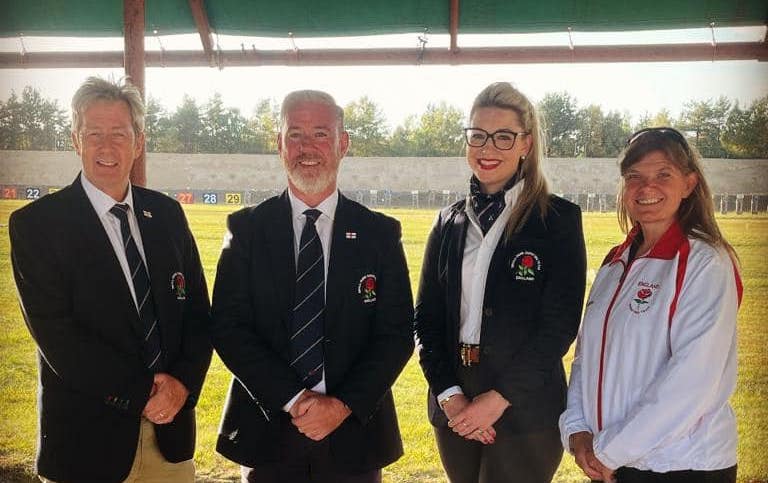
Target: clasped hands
317	415
474	419
583	451
166	398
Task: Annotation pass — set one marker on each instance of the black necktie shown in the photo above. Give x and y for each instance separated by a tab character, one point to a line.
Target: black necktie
308	311
141	286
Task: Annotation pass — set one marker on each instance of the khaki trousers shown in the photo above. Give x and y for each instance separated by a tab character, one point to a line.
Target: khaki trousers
149	465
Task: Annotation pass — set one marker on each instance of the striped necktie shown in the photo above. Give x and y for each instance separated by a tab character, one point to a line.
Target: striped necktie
309	308
151	346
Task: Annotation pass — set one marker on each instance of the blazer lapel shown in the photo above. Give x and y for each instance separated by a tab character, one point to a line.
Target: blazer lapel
98	256
345	250
159	259
457	237
279	243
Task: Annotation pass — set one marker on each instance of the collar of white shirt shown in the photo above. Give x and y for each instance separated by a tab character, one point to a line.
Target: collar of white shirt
101	201
327	207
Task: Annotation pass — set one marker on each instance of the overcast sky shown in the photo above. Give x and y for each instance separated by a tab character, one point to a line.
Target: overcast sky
635	88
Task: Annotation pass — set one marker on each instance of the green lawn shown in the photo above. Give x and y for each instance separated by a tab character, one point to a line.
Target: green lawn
749	234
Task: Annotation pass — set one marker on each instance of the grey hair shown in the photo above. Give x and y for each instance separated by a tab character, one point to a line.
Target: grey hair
98	89
320	97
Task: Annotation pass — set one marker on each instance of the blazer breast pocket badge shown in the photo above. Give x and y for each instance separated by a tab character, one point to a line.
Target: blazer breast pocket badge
178	286
366	288
525	266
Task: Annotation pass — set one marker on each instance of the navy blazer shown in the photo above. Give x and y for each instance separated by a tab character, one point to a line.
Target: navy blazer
367	340
531	311
78	307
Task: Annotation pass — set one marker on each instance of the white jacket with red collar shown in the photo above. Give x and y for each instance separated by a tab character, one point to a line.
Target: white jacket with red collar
655	359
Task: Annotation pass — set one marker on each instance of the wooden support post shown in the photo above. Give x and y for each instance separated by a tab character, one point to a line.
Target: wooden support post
133	26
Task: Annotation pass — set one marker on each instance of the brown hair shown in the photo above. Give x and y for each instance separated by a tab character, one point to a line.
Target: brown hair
696	213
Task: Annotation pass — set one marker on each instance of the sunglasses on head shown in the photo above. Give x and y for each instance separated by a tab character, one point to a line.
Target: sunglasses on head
667	132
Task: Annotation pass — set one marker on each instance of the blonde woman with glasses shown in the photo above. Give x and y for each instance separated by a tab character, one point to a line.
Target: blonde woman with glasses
500	298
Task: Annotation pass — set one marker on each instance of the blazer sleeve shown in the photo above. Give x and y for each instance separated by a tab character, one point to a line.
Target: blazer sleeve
390	344
257	366
430	317
560	310
73	354
195	356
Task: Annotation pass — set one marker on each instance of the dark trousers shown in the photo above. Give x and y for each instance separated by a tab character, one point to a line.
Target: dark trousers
302	460
524	457
531	457
631	475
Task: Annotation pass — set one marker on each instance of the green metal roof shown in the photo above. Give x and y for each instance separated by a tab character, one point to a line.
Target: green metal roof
305	18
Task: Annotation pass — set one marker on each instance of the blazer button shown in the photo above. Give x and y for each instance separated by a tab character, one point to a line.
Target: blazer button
488	312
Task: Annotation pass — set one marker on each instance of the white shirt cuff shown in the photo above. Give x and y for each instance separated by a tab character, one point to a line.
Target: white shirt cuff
289	404
449	392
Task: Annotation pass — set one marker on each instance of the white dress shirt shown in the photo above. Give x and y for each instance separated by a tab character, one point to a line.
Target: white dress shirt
324	226
475	263
102	203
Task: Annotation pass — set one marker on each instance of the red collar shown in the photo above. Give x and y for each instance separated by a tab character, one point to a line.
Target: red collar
666	248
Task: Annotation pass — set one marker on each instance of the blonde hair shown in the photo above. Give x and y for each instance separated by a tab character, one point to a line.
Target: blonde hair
320	97
98	89
503	95
696	213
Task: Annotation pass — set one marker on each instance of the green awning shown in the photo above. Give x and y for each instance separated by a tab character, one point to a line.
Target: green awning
305	18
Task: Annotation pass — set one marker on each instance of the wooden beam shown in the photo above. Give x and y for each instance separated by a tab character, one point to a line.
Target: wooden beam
453	27
203	28
133	23
466	55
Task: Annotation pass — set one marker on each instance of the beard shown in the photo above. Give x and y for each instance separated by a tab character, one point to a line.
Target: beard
308	182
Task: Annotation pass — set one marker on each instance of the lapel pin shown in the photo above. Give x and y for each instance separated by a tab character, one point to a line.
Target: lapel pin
147	214
351	235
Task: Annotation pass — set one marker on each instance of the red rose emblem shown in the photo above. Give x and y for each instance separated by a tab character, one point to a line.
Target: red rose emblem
644	293
370	283
527	261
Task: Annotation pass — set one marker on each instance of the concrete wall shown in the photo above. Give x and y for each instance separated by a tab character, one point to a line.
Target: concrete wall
265	172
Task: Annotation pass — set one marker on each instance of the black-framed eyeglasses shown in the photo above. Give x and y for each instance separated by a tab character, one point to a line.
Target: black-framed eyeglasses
503	139
668	132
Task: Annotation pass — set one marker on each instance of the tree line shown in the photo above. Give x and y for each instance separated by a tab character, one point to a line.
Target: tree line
719	128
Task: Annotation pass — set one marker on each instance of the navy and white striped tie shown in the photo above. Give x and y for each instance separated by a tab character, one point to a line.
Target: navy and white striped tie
309	308
151	346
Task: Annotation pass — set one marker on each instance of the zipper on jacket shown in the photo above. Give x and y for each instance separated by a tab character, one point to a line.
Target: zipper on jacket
603	344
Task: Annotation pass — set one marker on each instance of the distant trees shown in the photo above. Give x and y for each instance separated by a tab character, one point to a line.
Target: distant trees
32	122
367	128
718	128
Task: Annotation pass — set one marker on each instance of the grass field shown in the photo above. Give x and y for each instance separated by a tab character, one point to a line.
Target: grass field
749	234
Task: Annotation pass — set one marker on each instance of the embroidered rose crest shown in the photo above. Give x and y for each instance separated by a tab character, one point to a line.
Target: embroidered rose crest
643	298
642	295
367	288
178	286
526	265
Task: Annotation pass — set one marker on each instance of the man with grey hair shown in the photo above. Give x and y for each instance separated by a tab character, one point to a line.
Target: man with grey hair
312	312
113	293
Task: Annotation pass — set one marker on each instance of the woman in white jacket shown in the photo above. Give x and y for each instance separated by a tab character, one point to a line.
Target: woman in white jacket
656	354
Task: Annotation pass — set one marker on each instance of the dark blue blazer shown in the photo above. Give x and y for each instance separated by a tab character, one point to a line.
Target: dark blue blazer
78	308
531	312
367	342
